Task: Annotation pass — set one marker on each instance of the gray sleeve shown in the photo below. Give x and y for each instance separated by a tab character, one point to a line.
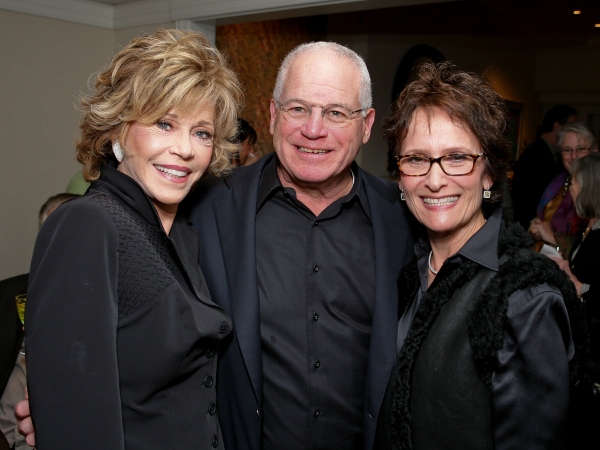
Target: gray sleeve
530	387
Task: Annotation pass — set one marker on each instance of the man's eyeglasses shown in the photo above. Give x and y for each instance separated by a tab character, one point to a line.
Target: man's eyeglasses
298	111
454	164
579	151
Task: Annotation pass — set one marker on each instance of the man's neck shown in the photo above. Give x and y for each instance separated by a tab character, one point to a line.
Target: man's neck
317	197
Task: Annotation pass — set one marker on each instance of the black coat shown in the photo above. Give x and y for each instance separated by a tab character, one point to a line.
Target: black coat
534	171
121	331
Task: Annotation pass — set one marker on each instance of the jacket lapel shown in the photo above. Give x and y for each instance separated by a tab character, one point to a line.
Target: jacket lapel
393	248
236	226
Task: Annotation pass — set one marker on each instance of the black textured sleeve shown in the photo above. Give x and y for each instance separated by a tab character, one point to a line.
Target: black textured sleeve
71	328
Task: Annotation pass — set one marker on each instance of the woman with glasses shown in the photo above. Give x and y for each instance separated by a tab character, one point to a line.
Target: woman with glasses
121	332
557	222
582	267
484	346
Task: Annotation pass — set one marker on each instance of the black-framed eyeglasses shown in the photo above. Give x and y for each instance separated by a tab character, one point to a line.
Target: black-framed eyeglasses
579	151
298	111
454	164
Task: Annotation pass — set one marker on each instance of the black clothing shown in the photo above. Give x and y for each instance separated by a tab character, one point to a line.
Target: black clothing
534	170
11	328
121	331
585	404
225	217
316	265
495	361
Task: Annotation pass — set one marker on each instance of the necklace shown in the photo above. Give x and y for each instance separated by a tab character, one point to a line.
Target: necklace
433	271
566	186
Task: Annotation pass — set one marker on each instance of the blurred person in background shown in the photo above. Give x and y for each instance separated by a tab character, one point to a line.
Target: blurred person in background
557	222
582	267
246	138
539	163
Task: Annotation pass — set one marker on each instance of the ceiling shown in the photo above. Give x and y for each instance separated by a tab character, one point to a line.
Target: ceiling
539	21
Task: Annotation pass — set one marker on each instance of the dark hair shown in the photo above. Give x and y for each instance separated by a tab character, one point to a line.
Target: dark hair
469	100
586	171
558	113
245	131
51	204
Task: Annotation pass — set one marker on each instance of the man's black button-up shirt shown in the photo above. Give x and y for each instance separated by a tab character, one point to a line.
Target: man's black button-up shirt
316	279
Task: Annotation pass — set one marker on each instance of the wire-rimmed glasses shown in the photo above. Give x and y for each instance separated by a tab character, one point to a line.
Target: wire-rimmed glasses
335	116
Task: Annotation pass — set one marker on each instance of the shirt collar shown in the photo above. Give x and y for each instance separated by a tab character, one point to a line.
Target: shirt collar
270	183
481	248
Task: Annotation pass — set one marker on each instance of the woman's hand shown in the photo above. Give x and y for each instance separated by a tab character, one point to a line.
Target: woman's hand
534	229
25	424
547	233
564	265
542	231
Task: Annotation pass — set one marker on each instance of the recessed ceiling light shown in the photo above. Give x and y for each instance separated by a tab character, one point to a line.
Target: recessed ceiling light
597	25
577	12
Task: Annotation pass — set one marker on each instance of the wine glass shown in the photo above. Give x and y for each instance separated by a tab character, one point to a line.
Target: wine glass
20	300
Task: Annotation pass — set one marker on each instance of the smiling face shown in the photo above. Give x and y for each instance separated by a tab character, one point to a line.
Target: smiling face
168	157
312	154
449	206
572	142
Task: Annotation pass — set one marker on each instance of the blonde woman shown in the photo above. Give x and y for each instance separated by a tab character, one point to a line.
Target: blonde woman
121	331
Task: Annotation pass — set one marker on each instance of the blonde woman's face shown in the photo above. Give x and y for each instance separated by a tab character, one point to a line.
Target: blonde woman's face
168	157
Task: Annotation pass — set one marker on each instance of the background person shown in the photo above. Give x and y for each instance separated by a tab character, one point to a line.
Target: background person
246	137
121	331
484	343
557	222
12	348
582	267
539	163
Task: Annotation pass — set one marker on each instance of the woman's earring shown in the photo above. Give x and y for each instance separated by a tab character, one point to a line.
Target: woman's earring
402	196
118	151
487	193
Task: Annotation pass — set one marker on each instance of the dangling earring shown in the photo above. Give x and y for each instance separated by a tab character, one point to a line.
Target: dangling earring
402	196
487	193
118	151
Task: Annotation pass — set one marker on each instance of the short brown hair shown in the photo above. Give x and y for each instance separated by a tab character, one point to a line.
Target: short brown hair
468	99
148	77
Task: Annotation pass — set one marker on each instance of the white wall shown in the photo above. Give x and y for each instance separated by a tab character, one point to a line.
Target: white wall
44	65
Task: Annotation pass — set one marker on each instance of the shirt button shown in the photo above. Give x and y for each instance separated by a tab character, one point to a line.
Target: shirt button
316	223
212	409
215	441
315	316
316	268
208	381
317	364
210	353
257	414
317	413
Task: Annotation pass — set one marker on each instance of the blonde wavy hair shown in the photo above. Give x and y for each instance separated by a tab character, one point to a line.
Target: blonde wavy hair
147	78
